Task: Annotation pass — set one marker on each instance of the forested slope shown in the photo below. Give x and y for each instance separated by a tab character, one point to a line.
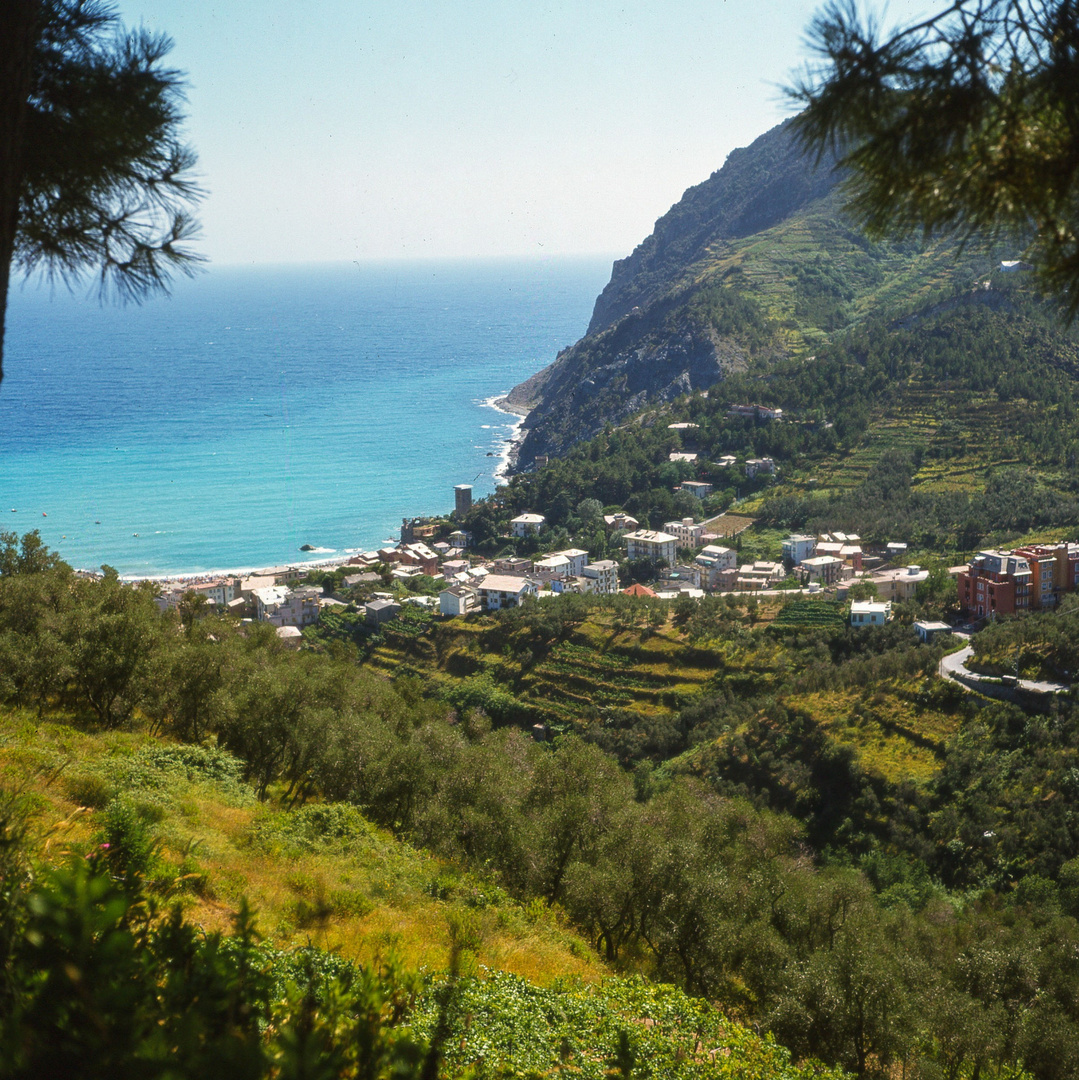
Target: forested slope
756	837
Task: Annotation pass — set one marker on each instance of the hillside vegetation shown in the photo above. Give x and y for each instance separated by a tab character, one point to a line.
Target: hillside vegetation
596	836
950	428
123	828
754	267
757	838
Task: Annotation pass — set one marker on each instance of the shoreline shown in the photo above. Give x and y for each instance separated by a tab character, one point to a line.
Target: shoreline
199	577
512	444
507	457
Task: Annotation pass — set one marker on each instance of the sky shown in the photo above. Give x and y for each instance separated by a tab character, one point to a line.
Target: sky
355	129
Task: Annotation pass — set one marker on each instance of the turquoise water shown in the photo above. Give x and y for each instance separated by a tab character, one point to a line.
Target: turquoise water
262	409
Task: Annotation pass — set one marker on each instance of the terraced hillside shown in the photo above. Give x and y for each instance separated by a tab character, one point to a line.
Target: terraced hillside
718	287
602	669
628	685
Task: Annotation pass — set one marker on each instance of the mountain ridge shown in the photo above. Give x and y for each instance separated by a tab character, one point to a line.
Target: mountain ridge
756	263
757	186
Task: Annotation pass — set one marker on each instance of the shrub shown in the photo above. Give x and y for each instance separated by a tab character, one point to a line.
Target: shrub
126	841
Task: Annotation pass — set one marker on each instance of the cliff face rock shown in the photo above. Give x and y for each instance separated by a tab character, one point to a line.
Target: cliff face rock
758	186
649	339
608	376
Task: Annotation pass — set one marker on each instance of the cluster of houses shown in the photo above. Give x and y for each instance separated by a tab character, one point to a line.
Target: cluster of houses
994	582
1030	578
266	597
477	584
837	557
753	466
501	583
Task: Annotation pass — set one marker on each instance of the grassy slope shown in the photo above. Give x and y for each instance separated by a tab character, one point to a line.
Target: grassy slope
857	278
531	996
363	893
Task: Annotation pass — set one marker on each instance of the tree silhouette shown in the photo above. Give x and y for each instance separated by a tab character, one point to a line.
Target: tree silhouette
93	173
963	123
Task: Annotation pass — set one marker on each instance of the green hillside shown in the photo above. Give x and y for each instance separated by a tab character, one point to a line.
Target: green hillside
794	821
329	892
706	298
318	872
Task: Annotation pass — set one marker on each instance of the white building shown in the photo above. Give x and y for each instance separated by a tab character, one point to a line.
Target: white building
759	575
219	591
928	629
281	606
825	569
458	600
601	577
697	488
688	534
798	547
756	465
727	461
654	546
267	599
553	566
504	590
870	612
681	455
292	636
578	560
899	585
714	561
527	523
679	578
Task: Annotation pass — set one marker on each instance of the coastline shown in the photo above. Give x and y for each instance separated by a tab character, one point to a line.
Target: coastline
199	577
508	457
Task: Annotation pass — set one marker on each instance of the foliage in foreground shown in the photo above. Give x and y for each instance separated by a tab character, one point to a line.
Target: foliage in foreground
889	927
96	981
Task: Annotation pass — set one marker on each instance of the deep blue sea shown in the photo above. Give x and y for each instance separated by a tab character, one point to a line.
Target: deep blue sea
257	410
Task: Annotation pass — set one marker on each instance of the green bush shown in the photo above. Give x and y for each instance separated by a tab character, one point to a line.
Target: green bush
126	842
89	789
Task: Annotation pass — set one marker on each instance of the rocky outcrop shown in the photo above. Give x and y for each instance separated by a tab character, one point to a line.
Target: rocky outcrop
646	357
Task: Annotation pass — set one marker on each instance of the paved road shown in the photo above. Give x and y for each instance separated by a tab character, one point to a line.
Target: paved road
956	664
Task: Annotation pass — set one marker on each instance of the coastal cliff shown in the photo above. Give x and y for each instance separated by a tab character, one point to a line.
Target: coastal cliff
661	327
758	186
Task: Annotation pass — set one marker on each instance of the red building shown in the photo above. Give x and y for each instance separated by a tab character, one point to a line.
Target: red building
995	583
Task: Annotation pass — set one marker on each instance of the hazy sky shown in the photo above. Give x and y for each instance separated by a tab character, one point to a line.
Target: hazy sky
350	129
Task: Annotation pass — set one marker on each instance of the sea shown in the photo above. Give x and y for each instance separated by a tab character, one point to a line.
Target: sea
257	410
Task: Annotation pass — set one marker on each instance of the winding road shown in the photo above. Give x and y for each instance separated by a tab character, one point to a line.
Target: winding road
954	668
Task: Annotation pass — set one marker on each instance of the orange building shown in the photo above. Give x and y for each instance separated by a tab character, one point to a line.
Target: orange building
1055	569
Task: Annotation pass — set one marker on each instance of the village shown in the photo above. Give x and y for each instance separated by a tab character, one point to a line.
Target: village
434	567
